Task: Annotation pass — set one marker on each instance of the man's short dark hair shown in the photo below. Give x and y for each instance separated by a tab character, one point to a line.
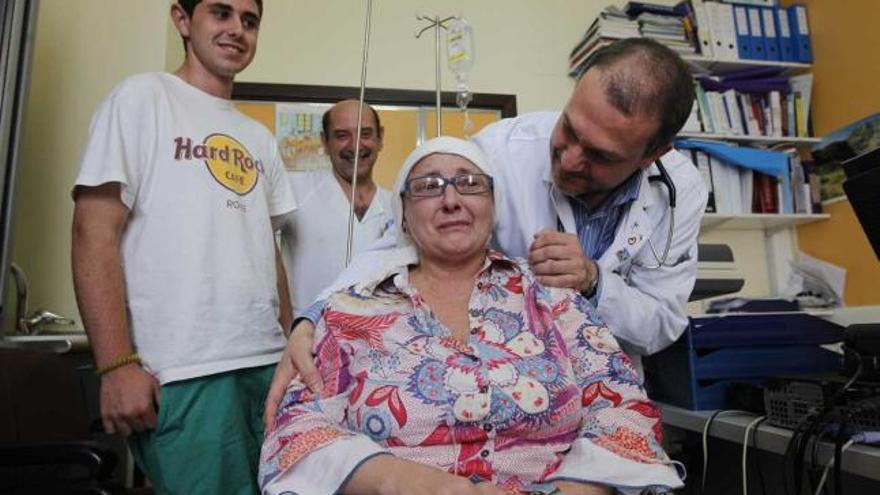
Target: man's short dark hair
642	76
190	5
325	121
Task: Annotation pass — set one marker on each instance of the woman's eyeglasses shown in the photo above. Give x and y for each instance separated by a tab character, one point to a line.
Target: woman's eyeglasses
434	185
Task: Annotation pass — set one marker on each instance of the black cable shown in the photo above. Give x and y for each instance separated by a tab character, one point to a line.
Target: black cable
795	451
809	465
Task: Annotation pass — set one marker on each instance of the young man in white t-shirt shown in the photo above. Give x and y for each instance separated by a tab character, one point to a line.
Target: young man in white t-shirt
177	275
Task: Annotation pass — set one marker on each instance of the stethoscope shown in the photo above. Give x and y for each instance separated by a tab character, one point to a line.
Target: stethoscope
663	178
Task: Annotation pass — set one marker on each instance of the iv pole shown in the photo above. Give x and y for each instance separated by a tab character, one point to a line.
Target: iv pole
435	23
357	137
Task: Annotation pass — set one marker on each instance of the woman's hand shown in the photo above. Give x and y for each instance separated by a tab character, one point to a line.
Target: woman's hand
296	360
389	475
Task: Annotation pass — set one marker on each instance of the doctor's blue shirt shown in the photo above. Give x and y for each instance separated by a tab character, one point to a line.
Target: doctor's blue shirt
596	228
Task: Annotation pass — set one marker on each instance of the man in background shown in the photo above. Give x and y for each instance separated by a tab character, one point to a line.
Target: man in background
177	276
313	240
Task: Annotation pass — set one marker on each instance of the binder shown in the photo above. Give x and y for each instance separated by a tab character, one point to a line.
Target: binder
705	112
756	33
800	32
789	115
723	30
783	31
701	160
734	112
745	104
704	31
721	122
771	37
743	40
775	114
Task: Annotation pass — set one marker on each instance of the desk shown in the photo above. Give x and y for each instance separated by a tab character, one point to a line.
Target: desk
861	460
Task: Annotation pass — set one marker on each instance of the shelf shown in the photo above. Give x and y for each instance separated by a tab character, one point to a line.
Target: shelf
862	460
707	65
749	139
757	221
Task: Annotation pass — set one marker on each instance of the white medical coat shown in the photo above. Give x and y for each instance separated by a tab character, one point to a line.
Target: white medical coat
313	238
644	307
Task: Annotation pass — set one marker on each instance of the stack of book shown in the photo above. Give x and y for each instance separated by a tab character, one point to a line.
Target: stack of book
672	26
723	30
611	25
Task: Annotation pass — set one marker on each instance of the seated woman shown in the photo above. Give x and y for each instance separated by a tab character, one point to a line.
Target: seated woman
453	371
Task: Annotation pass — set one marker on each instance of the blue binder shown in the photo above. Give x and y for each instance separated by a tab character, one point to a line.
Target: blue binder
800	32
756	33
743	39
771	34
783	31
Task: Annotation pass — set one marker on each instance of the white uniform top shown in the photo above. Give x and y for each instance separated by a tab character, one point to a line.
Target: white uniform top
644	307
202	183
313	239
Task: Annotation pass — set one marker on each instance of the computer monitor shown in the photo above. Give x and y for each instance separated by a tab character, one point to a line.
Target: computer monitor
862	187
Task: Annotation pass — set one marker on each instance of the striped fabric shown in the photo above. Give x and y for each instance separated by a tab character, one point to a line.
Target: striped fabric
596	229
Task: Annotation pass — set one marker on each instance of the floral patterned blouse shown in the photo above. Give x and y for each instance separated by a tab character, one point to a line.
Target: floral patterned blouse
539	392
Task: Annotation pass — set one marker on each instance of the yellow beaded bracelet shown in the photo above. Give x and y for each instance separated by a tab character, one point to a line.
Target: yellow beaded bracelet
118	363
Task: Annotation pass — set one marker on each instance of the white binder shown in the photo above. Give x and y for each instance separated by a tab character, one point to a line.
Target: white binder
723	30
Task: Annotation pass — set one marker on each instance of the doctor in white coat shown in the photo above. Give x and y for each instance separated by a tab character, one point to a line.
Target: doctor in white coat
580	182
640	294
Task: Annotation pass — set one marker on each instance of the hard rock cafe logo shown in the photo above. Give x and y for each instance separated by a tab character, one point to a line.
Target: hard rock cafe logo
228	160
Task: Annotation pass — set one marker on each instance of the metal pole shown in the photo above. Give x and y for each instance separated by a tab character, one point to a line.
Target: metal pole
357	137
437	71
437	23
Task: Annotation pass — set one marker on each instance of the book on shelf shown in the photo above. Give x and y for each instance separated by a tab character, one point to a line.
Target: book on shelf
739	190
612	24
761	106
740	30
673	26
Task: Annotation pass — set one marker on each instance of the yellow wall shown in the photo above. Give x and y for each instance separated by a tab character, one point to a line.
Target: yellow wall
846	50
83	49
522	46
842	241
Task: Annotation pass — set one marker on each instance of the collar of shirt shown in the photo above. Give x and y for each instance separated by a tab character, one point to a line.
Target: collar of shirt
596	227
399	283
623	195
